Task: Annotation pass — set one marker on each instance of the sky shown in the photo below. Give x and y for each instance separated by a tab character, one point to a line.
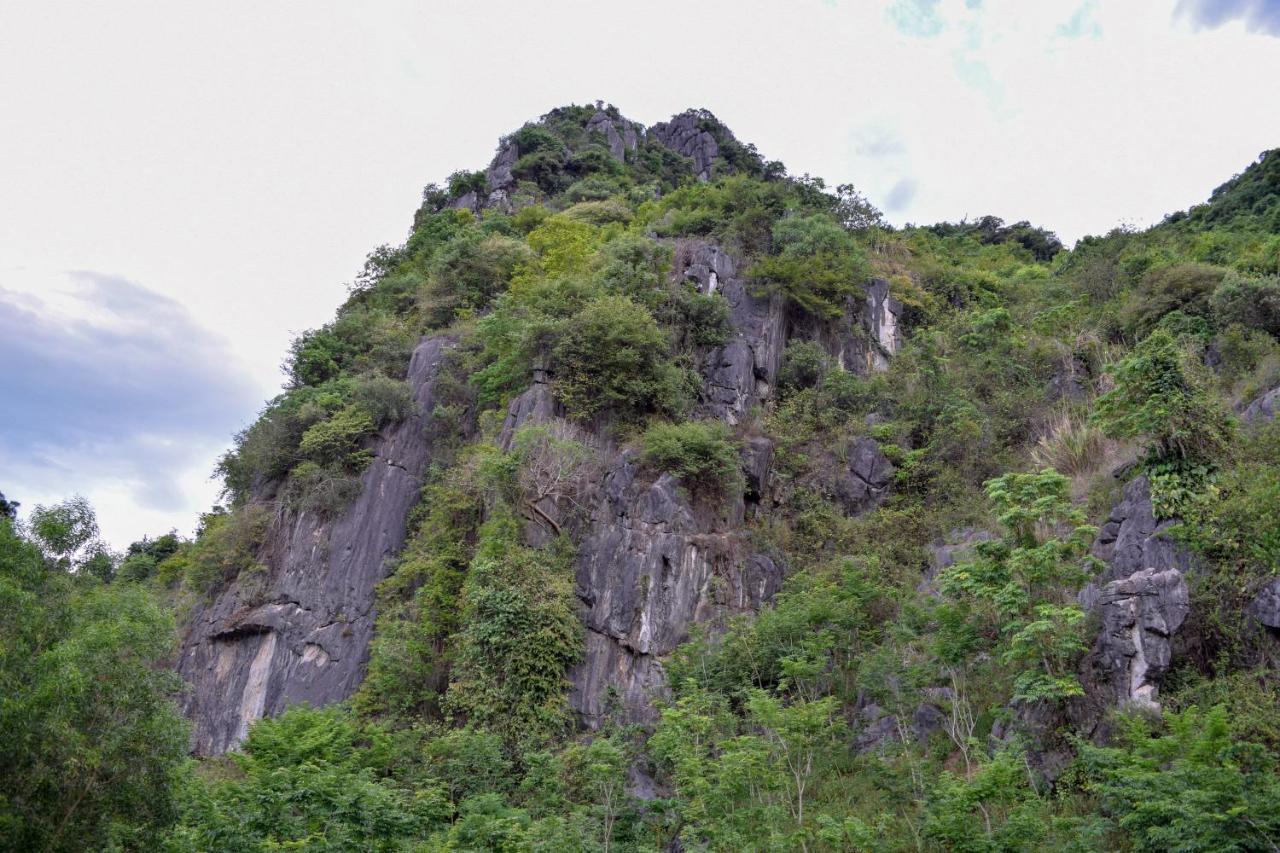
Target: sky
185	186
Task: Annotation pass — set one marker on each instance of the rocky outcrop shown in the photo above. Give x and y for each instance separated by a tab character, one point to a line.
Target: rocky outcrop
1140	615
620	135
1133	539
685	135
499	178
1265	606
1141	600
882	320
649	569
1263	408
866	335
743	371
1070	381
863	481
301	633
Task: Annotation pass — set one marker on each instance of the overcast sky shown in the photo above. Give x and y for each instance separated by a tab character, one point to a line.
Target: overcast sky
184	186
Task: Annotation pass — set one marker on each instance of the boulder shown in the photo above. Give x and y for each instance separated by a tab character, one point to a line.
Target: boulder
864	480
1263	408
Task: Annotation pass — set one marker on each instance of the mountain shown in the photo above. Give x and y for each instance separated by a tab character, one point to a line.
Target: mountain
650	497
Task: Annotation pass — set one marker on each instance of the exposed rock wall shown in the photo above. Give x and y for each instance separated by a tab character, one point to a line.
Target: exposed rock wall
648	570
1141	602
301	634
685	136
743	371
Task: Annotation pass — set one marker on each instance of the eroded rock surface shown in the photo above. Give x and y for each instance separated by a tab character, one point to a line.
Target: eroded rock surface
648	569
1264	408
864	480
620	134
743	371
1141	599
1140	615
685	136
301	633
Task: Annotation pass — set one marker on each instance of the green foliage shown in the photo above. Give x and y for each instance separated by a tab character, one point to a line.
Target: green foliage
1192	788
609	357
337	439
1161	396
302	784
1248	301
804	363
1020	587
227	545
66	532
519	634
1182	287
92	740
469	272
701	453
816	264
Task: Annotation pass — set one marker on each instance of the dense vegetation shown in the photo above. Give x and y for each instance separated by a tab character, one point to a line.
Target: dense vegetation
461	737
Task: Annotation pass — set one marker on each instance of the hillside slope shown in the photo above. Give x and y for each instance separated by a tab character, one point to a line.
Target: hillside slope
648	497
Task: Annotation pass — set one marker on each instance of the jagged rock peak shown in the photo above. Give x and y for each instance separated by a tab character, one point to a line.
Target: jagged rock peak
568	143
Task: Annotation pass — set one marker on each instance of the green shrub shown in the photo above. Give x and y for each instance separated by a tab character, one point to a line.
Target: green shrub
600	212
1181	287
1161	396
611	356
804	364
702	454
226	545
326	491
520	633
593	188
337	440
386	400
468	273
1250	302
1192	788
817	264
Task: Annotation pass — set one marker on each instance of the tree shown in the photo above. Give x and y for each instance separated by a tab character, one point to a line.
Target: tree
1190	788
93	742
66	532
8	509
1021	587
1161	396
610	357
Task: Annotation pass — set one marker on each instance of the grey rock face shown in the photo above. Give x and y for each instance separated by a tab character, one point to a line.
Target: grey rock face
499	177
743	371
865	480
1132	538
757	456
620	134
535	405
1069	381
1264	408
301	634
683	136
882	319
1140	615
647	571
1265	606
865	337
